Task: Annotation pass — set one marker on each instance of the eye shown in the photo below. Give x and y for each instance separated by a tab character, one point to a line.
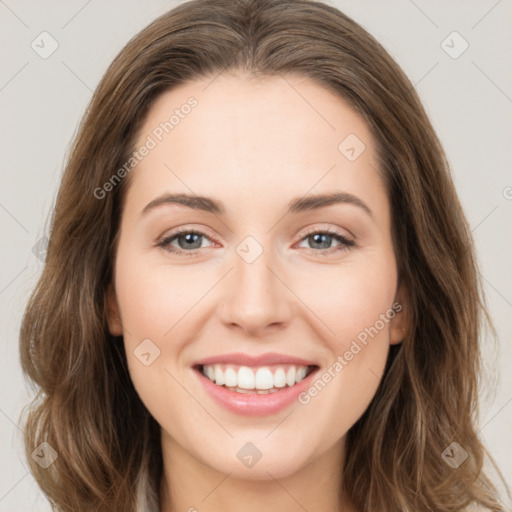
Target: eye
188	241
323	239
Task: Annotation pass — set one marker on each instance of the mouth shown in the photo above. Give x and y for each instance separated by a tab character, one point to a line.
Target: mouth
256	389
261	380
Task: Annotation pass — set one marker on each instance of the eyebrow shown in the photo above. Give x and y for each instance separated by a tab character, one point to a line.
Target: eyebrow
297	204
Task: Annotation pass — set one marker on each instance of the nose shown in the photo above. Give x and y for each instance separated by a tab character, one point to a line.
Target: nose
257	298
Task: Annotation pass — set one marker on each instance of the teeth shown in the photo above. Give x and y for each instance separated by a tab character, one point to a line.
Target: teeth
290	376
245	377
301	373
230	378
219	376
264	379
280	378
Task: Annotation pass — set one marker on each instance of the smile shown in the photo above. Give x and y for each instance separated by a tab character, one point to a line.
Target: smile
260	380
254	385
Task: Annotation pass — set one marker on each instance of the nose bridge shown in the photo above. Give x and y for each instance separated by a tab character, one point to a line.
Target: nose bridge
256	297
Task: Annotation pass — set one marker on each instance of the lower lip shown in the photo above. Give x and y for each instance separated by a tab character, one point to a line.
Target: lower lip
253	404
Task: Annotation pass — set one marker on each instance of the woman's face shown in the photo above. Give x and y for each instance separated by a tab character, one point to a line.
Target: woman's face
264	265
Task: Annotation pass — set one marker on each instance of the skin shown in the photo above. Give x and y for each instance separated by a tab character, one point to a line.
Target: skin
254	144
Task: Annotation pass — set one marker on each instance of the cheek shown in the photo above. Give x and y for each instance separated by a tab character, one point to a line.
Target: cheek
349	298
355	306
154	298
162	303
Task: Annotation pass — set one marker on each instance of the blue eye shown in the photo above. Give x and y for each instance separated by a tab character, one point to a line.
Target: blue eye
189	241
323	240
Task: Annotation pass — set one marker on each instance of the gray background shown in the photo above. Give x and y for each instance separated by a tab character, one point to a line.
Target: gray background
468	98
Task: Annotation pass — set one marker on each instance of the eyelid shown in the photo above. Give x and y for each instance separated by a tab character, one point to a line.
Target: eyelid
187	228
328	229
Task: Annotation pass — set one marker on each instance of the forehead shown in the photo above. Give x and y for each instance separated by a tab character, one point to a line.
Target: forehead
239	137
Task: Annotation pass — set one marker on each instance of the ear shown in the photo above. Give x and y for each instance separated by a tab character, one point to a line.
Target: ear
400	323
114	318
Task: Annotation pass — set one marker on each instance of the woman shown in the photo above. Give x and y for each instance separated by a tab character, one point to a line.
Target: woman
259	370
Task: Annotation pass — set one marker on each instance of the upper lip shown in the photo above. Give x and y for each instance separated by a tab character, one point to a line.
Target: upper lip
241	359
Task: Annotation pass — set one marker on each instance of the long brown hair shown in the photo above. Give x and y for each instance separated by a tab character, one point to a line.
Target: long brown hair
87	409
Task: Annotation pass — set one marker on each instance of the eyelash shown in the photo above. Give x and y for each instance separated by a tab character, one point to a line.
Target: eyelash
345	242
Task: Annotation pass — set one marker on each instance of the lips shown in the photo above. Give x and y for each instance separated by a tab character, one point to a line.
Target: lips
240	359
258	389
